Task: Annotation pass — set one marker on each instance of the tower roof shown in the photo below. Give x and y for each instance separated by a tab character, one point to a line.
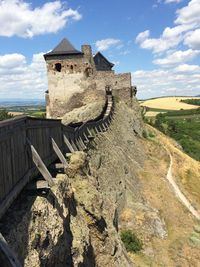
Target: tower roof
102	62
62	49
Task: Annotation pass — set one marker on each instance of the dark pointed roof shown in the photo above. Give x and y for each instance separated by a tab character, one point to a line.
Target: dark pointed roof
102	62
62	49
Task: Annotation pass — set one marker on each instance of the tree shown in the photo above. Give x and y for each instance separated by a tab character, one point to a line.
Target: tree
4	115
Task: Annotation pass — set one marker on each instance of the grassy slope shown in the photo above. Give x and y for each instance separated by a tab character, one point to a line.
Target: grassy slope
184	127
176	249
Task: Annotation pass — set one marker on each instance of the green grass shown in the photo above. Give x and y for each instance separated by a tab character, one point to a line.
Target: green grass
158	109
184	127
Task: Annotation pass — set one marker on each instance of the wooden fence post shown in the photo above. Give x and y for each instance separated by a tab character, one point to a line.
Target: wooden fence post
104	127
82	143
74	145
71	149
90	133
86	138
10	257
58	152
40	165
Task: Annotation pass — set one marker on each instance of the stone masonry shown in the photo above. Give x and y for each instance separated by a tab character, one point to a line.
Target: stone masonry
76	79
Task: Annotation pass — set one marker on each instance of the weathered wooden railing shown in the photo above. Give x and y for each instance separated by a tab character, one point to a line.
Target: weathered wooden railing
29	145
46	136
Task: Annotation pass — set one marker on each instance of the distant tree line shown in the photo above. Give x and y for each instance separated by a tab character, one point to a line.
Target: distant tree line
192	101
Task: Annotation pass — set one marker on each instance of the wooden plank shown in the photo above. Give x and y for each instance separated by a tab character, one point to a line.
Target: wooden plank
104	127
9	258
79	146
35	185
101	129
58	152
96	130
82	143
66	141
74	145
90	133
86	138
107	125
40	165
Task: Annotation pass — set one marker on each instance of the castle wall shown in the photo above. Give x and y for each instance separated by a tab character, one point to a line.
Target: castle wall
63	85
115	81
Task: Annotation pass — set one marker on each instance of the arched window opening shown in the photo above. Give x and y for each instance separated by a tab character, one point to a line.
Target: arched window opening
88	72
71	69
58	67
108	90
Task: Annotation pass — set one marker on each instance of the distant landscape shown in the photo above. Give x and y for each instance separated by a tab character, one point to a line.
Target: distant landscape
179	118
30	107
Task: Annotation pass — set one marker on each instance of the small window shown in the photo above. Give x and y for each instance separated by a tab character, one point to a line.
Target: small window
58	67
71	69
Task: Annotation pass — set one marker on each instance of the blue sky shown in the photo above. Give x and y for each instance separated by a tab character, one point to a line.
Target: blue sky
157	40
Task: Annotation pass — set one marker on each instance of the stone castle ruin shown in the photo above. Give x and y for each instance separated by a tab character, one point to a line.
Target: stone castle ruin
77	79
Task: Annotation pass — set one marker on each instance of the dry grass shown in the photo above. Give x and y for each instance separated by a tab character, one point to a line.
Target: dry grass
186	170
16	113
170	103
175	250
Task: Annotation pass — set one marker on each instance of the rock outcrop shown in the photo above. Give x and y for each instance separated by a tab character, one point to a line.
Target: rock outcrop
76	223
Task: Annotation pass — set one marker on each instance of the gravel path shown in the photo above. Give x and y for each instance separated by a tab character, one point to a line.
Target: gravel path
178	192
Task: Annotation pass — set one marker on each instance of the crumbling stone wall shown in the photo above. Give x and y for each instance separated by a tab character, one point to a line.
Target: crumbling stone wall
74	82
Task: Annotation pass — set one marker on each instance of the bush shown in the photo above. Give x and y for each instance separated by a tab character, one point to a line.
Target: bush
131	241
4	115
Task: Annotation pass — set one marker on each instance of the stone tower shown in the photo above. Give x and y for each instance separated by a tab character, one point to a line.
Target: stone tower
67	70
76	80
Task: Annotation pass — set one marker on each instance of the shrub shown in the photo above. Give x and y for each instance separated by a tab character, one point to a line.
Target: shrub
4	115
131	241
144	134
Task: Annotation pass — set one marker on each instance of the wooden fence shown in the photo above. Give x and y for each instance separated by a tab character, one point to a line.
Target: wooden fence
18	135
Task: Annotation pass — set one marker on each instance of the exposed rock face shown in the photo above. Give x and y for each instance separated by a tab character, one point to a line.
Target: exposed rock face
84	113
77	222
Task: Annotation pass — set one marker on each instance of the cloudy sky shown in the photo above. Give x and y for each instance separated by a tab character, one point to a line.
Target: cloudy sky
157	40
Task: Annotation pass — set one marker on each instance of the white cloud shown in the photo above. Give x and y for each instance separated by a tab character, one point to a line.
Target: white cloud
189	14
160	82
193	39
10	61
105	44
177	57
185	68
188	19
172	1
142	36
17	17
20	79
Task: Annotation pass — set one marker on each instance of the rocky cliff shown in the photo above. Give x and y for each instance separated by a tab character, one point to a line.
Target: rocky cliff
77	222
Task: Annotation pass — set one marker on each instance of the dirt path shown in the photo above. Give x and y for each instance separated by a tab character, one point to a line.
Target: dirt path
177	191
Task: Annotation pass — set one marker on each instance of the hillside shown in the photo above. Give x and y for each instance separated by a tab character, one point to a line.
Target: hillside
181	125
180	246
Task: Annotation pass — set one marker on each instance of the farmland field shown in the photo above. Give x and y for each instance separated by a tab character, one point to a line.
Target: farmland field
168	103
183	126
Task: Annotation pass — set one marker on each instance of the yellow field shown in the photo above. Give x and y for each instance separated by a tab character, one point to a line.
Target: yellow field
16	113
172	103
